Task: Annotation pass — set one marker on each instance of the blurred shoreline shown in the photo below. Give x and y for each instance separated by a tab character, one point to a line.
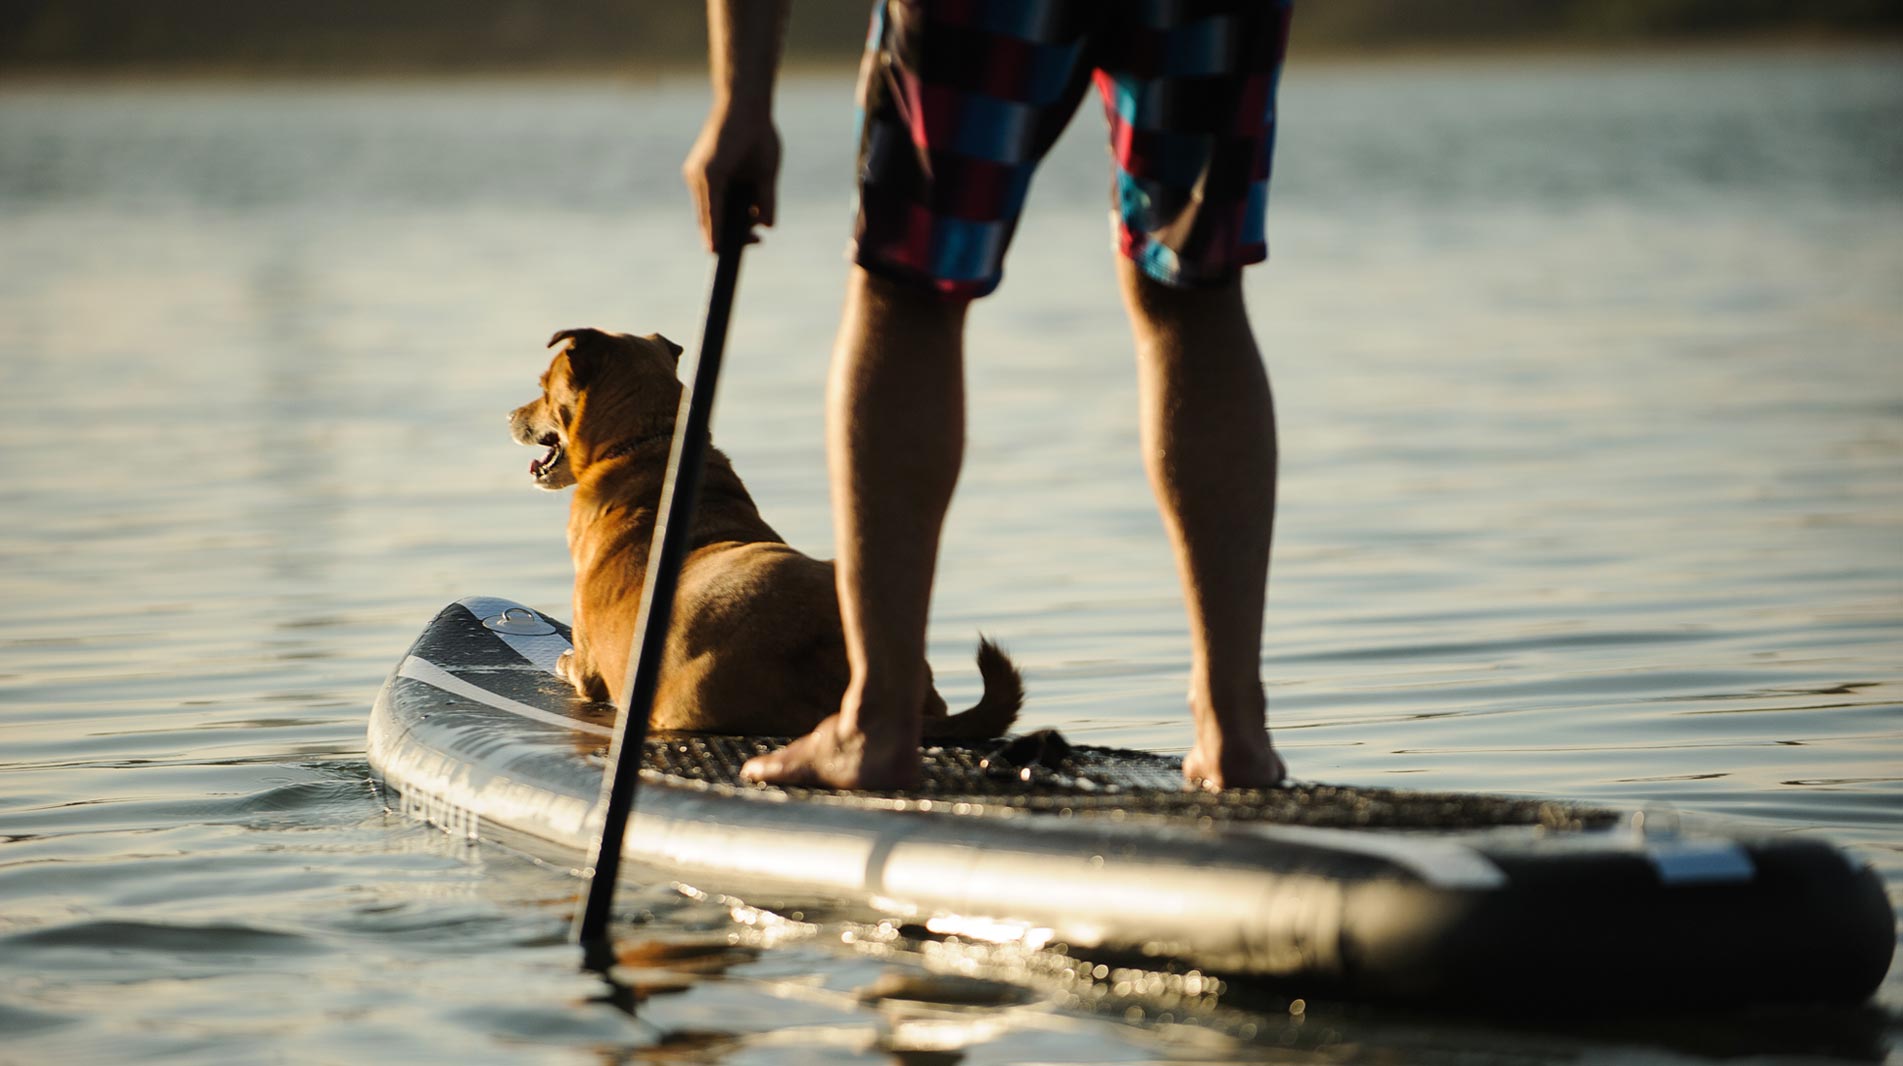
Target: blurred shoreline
522	38
645	70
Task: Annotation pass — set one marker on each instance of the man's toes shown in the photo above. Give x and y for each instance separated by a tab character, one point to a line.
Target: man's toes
778	768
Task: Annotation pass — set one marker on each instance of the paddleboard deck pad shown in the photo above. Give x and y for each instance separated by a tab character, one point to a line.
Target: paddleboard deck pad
1356	892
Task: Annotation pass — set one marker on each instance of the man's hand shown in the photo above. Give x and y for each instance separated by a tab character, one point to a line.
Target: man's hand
737	147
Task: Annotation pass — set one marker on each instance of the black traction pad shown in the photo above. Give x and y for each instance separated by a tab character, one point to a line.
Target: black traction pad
1041	773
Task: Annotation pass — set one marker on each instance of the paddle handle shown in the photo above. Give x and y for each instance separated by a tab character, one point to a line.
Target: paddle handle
676	517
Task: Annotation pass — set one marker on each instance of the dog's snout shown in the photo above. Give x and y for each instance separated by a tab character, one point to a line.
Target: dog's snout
522	428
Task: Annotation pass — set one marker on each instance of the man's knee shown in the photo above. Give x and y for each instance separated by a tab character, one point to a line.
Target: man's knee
901	310
1153	299
1208	320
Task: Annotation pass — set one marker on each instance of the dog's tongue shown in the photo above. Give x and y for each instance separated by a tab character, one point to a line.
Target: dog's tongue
535	468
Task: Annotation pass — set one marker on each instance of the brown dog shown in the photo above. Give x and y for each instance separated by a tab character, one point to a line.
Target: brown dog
755	646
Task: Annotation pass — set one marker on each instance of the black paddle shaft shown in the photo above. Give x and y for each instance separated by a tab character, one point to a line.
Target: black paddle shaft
676	517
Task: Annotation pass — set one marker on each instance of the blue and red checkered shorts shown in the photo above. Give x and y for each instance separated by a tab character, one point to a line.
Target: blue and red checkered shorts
960	99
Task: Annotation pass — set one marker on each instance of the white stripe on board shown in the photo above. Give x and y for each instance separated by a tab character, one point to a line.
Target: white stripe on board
430	674
541	650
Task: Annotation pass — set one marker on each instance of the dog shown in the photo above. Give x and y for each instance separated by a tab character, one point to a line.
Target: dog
756	646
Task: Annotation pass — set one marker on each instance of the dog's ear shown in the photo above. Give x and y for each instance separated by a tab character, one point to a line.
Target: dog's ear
575	336
673	350
585	353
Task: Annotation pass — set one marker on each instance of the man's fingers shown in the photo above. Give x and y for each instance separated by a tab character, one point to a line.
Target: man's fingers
766	199
705	188
697	191
711	191
754	215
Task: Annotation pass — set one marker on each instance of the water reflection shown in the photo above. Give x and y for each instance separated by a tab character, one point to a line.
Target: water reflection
1592	484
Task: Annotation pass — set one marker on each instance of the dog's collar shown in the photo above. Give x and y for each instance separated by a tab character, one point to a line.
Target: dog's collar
628	447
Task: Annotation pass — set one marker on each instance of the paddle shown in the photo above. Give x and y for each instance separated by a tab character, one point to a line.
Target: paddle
676	517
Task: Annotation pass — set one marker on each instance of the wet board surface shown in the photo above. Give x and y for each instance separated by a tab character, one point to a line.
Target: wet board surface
1366	893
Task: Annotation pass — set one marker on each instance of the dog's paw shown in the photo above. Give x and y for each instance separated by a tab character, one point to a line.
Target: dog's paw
587	685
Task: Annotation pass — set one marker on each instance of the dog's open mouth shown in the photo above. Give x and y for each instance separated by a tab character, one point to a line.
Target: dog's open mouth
548	466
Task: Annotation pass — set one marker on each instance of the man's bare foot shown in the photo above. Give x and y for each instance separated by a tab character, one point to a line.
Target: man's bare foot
1247	765
835	756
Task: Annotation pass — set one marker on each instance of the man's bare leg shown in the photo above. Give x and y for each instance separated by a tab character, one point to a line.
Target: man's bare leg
895	438
1208	424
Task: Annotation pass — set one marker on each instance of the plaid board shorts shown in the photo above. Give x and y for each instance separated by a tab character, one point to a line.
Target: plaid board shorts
960	99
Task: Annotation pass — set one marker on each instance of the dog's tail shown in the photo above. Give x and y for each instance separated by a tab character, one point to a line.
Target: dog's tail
995	710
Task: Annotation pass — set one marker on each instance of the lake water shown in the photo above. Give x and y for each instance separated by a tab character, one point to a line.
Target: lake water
1590	372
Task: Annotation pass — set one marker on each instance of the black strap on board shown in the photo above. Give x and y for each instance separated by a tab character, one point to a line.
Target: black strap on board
678	494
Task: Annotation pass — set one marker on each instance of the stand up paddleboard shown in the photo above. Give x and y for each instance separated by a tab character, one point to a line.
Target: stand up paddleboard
1365	893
